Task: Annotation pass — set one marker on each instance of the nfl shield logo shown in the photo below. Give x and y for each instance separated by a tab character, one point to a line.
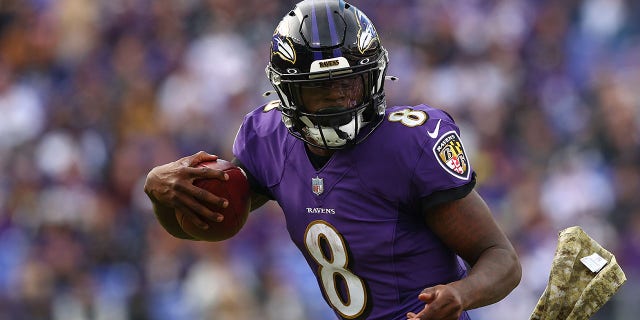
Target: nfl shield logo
317	185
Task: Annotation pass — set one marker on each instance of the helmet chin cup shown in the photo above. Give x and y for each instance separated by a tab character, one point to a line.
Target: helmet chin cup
332	137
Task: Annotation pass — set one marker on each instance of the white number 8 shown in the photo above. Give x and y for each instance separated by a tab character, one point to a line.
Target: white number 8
335	266
409	117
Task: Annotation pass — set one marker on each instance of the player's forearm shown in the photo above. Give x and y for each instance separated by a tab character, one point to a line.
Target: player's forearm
496	273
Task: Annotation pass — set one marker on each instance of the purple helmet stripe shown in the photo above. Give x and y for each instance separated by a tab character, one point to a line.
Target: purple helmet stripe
332	30
315	35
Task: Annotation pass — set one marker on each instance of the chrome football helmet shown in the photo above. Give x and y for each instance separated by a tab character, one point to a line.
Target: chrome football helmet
328	44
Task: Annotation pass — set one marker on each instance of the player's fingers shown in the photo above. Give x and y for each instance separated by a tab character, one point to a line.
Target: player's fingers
204	172
207	173
205	197
199	214
427	295
198	157
194	199
422	315
439	304
194	218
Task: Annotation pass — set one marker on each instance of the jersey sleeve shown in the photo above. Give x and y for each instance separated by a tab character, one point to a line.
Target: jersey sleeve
423	161
261	137
443	172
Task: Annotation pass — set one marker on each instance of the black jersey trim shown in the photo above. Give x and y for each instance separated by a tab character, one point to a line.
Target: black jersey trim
254	185
443	196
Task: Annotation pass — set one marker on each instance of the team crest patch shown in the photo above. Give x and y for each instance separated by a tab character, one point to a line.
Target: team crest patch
451	156
317	185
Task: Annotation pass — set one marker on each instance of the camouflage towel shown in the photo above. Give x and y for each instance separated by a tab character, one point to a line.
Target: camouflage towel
574	292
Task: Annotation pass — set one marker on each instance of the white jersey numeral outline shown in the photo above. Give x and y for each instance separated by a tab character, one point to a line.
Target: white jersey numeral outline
335	265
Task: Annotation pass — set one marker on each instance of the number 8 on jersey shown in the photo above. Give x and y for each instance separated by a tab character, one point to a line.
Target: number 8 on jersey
335	265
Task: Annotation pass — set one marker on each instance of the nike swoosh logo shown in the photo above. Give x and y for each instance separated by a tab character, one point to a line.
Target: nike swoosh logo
434	133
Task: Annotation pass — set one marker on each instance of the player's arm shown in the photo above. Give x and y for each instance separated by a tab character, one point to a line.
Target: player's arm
259	194
467	227
170	187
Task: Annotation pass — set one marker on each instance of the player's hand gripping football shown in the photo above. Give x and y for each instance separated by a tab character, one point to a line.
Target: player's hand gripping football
171	187
444	302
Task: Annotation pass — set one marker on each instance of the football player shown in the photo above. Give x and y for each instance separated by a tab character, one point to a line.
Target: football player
380	200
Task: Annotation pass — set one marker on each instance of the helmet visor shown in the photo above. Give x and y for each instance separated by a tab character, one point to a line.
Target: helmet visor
331	96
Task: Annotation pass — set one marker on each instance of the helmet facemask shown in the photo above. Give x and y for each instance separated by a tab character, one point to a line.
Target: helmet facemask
359	103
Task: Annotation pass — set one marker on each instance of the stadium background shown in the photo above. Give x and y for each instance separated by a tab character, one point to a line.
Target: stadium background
93	94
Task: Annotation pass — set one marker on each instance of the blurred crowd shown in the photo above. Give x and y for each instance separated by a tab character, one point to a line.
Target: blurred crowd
93	94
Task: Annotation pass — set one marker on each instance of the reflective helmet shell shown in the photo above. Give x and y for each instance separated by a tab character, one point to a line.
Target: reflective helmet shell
320	41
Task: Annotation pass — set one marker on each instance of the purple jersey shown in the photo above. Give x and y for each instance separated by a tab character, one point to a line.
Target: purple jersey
358	220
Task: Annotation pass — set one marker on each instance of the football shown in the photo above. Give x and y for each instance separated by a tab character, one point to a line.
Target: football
235	190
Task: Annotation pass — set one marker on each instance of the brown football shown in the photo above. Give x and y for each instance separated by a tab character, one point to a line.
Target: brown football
235	190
